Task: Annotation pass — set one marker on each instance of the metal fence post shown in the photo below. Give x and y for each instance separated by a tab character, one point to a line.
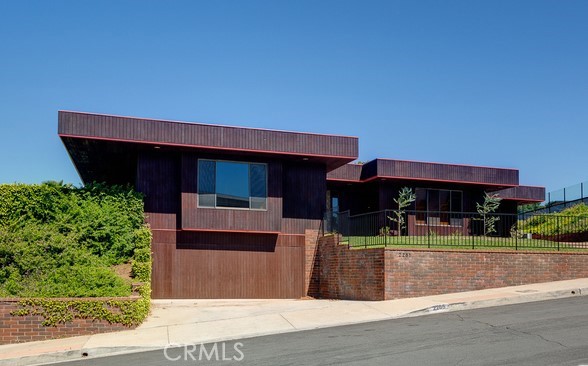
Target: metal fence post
364	235
386	230
557	227
516	231
428	232
472	231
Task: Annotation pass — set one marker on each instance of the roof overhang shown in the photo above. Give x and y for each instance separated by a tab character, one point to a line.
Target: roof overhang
523	194
402	170
105	147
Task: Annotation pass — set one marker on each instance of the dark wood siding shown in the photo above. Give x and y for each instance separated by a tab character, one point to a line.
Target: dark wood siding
446	172
195	218
208	264
158	178
350	172
305	191
203	135
227	265
523	193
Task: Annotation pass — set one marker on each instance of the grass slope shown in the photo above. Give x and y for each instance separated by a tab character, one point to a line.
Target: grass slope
571	220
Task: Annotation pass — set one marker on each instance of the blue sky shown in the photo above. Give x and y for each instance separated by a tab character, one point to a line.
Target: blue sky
498	83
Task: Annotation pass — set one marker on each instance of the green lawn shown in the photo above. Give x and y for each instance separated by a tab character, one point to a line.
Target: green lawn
459	242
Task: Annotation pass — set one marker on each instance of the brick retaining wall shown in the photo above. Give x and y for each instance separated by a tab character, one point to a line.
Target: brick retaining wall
411	273
311	263
350	274
17	329
385	274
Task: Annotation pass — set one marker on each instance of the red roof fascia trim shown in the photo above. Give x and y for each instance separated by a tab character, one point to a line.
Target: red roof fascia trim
156	143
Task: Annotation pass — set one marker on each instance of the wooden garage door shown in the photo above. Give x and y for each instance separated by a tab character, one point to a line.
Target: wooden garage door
227	265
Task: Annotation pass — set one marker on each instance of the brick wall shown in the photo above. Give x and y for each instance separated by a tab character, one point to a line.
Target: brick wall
412	273
350	274
17	329
311	263
385	274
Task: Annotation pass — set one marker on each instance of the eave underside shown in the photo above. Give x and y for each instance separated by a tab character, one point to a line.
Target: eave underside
115	162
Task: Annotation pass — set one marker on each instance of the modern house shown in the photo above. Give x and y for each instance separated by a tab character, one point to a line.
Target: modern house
235	212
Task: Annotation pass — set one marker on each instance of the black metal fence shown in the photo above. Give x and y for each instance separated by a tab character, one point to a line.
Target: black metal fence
459	229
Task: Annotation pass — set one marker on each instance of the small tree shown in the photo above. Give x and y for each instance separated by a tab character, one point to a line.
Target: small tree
491	203
405	197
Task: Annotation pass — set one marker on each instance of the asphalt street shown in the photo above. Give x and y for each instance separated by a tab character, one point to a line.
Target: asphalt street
553	332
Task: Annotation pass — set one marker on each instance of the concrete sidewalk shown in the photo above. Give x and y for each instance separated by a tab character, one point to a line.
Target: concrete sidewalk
176	322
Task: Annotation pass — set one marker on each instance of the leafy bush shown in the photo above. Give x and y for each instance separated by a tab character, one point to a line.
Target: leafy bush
96	282
57	240
571	220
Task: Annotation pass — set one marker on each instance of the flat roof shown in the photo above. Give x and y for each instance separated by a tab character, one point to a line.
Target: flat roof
99	143
425	171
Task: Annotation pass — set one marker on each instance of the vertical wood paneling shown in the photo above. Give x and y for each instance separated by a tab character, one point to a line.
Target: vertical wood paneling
194	217
446	172
423	171
135	129
305	191
158	179
346	172
523	193
228	265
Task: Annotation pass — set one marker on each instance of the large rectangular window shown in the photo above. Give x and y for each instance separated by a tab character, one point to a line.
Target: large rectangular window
438	207
228	184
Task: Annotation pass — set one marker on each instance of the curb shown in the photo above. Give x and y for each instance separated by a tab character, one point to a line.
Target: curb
73	355
91	353
524	298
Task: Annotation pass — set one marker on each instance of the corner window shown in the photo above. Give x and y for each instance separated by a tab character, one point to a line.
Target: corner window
227	184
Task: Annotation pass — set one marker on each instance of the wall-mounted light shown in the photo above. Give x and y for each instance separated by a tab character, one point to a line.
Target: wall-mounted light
157	147
305	159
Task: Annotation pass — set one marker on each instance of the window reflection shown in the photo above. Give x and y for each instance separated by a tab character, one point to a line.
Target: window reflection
232	184
232	180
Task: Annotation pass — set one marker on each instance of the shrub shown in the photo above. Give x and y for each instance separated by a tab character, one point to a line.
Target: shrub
81	281
571	220
59	240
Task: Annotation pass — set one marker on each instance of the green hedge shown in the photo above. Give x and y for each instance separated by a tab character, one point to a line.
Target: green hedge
55	311
57	240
